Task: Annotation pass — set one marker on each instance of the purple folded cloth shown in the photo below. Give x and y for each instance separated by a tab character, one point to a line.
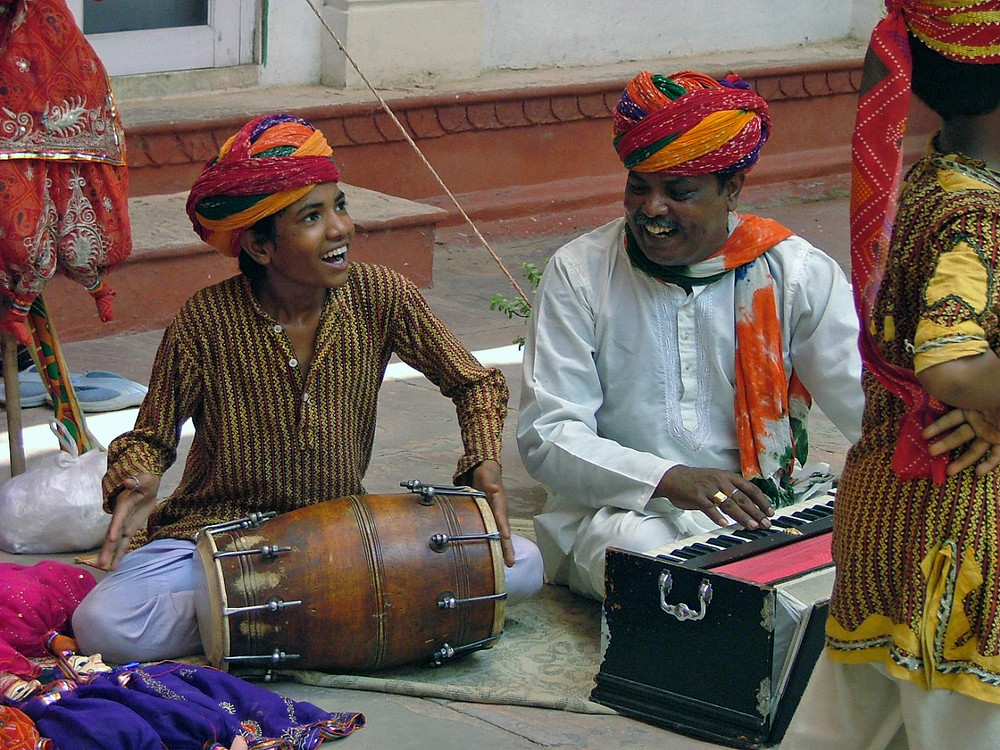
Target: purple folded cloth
182	707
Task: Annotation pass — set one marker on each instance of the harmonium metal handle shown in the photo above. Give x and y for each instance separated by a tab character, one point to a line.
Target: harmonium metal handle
682	611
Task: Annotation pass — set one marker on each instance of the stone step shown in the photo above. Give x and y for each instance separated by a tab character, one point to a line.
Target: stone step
169	262
525	153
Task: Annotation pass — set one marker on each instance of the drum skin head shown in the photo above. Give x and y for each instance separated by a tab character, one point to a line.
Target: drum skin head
499	570
210	602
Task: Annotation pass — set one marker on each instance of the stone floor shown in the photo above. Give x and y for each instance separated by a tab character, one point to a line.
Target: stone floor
417	438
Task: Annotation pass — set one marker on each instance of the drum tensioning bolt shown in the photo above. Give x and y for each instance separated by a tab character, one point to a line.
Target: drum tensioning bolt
447	599
267	552
275	657
445	651
274	604
250	522
428	491
440	542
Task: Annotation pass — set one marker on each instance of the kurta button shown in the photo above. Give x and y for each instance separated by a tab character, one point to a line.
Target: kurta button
305	396
277	328
293	363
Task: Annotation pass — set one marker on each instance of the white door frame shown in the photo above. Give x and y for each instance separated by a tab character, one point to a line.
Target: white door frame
226	40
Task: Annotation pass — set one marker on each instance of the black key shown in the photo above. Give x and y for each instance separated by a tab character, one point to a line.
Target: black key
808	515
787	522
702	548
753	533
686	553
730	538
722	542
670	557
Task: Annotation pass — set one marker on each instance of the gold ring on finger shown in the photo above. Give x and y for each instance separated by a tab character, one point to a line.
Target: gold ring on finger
720	497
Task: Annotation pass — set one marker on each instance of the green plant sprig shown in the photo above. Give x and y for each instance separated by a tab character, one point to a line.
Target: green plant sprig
518	307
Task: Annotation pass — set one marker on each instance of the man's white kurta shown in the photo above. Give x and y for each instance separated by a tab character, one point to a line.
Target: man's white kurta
625	377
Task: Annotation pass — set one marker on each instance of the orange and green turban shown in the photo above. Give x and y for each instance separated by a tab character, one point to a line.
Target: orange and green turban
689	124
273	161
966	31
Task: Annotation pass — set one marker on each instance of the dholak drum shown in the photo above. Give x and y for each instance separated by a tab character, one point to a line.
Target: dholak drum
358	583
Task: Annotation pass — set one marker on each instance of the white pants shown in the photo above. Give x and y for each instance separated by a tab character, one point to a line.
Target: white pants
145	610
574	540
860	707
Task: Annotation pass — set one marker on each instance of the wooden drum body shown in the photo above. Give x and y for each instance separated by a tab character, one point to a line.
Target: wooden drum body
354	584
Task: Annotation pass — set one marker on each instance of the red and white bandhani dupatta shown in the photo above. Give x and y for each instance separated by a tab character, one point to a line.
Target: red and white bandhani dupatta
966	31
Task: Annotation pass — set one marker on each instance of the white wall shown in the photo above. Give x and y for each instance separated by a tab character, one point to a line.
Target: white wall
530	33
866	13
293	41
519	34
524	34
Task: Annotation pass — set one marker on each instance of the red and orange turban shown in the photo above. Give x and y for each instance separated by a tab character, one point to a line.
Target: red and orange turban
689	124
965	31
269	164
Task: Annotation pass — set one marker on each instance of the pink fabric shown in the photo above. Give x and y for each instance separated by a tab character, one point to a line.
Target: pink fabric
35	600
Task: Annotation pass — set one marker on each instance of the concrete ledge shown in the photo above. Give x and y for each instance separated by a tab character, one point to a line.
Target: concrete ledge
525	153
487	145
169	263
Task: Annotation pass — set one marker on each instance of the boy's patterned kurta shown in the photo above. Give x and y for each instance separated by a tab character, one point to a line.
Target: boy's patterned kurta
918	564
269	439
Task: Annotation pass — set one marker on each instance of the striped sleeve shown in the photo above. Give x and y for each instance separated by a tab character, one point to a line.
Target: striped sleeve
480	394
151	446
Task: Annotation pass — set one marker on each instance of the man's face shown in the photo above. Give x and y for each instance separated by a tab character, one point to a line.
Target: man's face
677	220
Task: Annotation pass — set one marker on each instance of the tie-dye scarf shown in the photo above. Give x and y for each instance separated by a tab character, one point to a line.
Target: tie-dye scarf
771	406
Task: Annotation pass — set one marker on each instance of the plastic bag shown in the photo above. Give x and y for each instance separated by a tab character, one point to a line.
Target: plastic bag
56	506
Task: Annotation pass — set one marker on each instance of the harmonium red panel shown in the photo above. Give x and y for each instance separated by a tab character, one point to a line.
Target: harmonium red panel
716	636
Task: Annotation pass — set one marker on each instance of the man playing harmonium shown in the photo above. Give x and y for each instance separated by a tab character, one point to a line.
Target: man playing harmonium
673	354
279	368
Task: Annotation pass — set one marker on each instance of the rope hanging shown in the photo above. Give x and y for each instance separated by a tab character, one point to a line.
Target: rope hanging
392	116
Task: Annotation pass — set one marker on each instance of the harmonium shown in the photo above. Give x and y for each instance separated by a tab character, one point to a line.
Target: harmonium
716	636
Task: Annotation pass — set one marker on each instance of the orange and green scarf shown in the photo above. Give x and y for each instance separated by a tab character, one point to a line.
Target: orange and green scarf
771	406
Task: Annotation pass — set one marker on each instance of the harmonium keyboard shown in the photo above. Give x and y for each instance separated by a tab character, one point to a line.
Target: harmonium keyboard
716	635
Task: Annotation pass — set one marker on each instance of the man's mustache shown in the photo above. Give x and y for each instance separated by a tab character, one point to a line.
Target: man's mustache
656	221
